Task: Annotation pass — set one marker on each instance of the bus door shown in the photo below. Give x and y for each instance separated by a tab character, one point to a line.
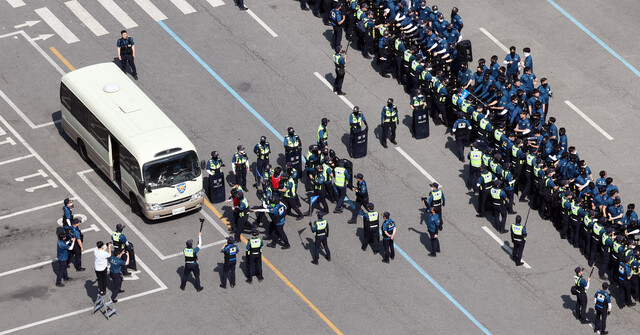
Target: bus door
115	161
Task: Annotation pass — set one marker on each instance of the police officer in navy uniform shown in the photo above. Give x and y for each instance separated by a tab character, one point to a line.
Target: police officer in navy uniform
279	210
433	225
240	167
78	248
319	190
518	238
581	286
127	53
462	131
436	201
499	199
370	229
602	301
262	151
191	263
254	256
213	167
63	246
356	120
242	216
362	197
67	213
388	234
321	230
120	242
624	279
340	61
117	262
389	121
230	251
337	19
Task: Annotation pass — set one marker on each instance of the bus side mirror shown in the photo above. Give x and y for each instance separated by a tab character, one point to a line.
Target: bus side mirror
141	187
203	164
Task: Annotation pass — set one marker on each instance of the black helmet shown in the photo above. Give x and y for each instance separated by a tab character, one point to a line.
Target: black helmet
290	131
370	206
214	154
240	147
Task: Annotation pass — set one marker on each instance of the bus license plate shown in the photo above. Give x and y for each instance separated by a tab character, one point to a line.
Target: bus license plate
177	211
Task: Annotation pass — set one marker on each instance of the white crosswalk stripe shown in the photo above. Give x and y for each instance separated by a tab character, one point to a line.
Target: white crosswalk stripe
57	25
86	18
118	13
16	3
215	3
184	6
151	9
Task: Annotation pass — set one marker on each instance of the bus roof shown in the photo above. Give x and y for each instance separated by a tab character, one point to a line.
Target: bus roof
127	112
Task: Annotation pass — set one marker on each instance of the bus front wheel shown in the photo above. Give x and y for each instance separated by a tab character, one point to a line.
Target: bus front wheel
82	151
135	205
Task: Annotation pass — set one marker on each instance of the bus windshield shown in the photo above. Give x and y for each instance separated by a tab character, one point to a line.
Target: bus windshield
172	170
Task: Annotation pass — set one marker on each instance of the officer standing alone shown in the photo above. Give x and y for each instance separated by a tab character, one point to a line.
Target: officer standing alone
321	229
602	301
389	121
127	53
518	238
340	61
254	256
191	263
230	251
388	234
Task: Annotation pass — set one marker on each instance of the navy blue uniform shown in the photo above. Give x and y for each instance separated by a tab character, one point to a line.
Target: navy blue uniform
433	226
116	275
191	265
63	257
388	227
362	198
127	55
279	211
462	131
602	306
230	251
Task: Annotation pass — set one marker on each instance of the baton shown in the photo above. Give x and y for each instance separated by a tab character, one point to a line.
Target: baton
527	219
201	224
590	273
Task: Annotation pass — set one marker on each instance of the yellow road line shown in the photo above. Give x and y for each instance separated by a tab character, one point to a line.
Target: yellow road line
279	274
62	59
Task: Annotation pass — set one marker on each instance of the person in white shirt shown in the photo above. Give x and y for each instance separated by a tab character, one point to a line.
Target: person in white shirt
101	255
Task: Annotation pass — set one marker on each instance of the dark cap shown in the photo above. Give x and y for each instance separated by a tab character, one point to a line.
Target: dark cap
214	153
288	165
518	218
386	215
189	243
434	185
578	269
325	120
254	231
263	138
359	176
240	147
119	226
77	221
338	48
230	239
67	201
320	214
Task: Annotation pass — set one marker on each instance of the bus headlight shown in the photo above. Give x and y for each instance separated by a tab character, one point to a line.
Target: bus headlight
155	207
197	195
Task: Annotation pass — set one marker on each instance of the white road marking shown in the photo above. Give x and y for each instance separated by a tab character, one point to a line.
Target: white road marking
42	37
86	18
8	140
423	171
15	159
33	209
50	183
120	215
22	114
95	216
215	3
326	83
214	223
91	228
588	119
151	9
133	275
16	3
37	47
2	132
495	40
118	13
27	24
39	173
264	25
503	244
57	25
33	266
184	6
202	247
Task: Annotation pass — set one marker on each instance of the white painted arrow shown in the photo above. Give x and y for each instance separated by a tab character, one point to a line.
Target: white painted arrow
27	24
50	183
42	37
92	227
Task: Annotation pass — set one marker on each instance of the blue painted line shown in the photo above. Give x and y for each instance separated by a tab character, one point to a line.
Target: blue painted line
220	80
594	37
349	202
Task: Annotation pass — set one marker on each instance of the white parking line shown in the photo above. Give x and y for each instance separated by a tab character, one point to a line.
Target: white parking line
33	266
413	162
8	140
57	25
2	132
39	173
22	114
264	25
214	223
202	247
503	244
86	18
215	3
151	9
118	13
184	6
33	209
49	183
588	119
9	161
326	83
16	3
495	40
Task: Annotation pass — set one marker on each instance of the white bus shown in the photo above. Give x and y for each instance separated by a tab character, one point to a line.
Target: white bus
117	127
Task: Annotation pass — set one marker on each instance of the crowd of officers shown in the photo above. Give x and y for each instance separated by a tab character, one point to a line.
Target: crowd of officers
502	111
